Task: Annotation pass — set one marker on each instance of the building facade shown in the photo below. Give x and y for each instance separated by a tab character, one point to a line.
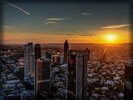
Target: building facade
37	51
32	64
28	50
129	81
43	75
77	74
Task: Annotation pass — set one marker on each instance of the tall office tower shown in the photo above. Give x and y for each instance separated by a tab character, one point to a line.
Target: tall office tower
129	81
88	54
66	48
43	75
30	45
37	50
28	49
32	64
77	75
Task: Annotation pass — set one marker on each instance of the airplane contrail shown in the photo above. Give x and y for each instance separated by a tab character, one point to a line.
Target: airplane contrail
24	11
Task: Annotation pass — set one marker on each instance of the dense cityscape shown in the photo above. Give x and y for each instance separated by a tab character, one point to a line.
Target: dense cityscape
65	50
66	72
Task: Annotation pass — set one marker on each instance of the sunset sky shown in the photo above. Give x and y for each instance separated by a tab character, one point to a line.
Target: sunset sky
55	22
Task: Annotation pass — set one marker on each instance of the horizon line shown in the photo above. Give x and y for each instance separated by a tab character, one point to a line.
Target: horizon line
63	43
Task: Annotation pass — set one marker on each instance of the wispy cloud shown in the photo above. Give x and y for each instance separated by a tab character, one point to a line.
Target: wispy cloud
86	14
56	19
49	22
6	26
116	26
53	20
22	10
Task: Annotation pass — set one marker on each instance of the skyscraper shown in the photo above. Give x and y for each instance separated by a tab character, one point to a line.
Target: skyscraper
77	74
66	48
37	50
28	50
129	81
88	54
32	64
30	45
43	75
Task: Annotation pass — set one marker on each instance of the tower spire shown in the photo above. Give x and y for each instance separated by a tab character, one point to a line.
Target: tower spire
66	47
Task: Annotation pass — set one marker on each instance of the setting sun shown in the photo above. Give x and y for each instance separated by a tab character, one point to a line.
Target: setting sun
111	38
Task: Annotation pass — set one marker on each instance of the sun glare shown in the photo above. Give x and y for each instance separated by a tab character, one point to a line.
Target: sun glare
111	38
